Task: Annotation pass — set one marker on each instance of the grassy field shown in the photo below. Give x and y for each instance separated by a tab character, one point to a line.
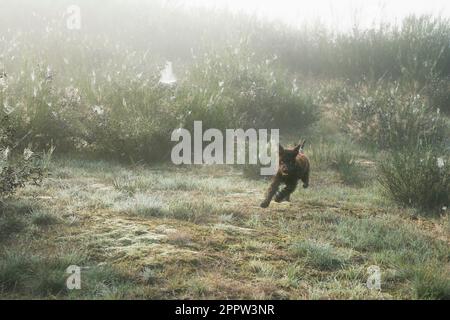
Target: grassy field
198	232
373	104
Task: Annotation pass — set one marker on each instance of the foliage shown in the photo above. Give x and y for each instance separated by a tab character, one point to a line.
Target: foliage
417	177
16	170
388	118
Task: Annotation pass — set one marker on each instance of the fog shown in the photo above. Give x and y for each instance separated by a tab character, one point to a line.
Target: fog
340	14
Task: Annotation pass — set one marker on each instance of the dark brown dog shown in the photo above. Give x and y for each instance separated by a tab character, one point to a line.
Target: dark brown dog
293	166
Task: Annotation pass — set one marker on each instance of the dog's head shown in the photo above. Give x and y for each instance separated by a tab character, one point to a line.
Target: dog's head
286	158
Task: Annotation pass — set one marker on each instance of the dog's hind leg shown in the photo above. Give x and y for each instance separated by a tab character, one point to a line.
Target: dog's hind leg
305	180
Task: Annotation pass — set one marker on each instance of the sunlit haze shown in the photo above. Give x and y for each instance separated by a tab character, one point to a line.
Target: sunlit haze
336	14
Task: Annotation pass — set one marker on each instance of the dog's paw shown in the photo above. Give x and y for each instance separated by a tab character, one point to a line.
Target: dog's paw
278	198
264	204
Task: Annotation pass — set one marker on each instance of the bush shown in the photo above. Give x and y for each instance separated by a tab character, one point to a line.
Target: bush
389	119
249	92
335	92
132	122
132	117
17	170
417	177
438	91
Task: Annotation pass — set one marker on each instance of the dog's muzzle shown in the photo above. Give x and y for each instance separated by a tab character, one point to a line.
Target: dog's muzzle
285	170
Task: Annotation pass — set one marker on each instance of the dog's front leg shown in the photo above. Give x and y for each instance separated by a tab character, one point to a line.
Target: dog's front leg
286	192
273	189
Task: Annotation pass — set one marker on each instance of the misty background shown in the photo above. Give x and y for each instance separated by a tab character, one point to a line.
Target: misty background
127	73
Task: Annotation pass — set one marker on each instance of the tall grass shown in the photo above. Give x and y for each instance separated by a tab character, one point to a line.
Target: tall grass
131	116
417	47
97	89
390	117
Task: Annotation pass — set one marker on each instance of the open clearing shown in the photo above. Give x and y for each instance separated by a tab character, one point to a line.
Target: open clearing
198	232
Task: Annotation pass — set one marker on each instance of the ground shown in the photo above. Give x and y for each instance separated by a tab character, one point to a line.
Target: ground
198	232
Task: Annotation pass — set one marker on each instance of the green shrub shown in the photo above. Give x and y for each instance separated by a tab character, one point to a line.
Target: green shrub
390	119
250	92
438	91
417	177
131	118
17	169
335	92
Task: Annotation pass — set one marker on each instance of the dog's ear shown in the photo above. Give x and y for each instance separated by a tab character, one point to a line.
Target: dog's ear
299	146
280	149
303	143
